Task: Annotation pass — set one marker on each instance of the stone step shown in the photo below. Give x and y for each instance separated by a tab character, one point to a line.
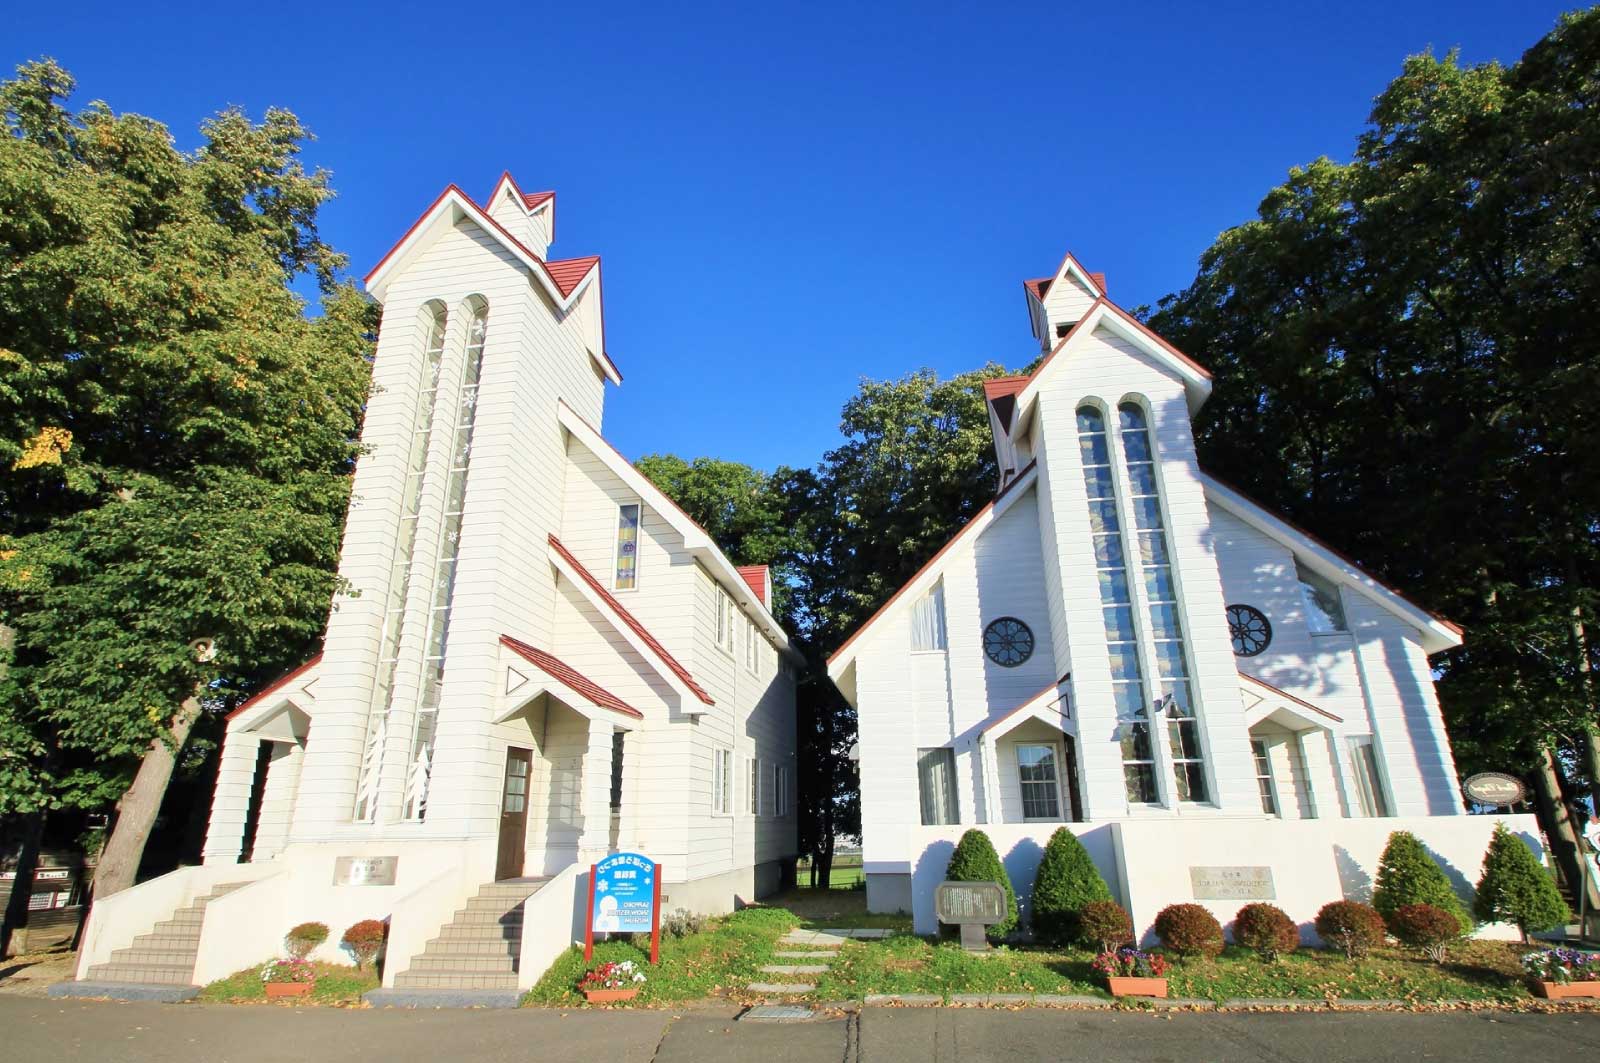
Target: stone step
181	922
160	974
783	988
441	980
487	917
169	942
794	968
814	954
485	932
463	964
141	956
470	947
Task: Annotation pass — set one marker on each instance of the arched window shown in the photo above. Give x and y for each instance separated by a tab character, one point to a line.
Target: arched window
431	322
1171	657
444	573
1117	608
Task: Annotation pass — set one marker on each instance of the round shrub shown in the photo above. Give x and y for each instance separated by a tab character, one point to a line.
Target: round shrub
364	940
1189	930
1266	930
1066	882
1408	875
976	861
1425	927
1104	926
1350	925
303	940
1516	889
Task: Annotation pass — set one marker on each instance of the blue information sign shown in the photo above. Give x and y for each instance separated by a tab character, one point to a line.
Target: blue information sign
624	894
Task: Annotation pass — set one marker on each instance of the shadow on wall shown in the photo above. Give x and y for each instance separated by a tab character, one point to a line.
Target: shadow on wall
1354	881
1463	886
1022	867
1438	777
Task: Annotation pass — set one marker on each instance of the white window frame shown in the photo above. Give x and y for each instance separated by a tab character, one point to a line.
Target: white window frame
1058	761
1310	609
933	599
752	790
1262	758
725	620
638	543
780	790
721	781
1368	776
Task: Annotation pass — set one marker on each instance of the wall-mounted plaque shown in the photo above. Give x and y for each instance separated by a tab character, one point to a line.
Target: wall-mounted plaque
365	870
1232	883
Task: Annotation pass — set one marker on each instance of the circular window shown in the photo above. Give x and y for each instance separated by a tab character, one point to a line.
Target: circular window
1008	642
1249	629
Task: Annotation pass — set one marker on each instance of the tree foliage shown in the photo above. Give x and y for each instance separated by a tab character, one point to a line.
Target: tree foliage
974	860
1407	875
1067	881
1405	361
176	434
1515	888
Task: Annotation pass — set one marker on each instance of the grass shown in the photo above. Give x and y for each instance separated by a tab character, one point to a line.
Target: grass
336	984
718	962
1483	971
904	963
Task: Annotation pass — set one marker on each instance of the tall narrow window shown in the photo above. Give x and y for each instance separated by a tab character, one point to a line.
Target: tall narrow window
753	787
616	771
780	790
1320	596
1116	606
936	785
927	621
627	572
431	322
1036	775
1369	781
444	573
1161	597
721	782
1269	791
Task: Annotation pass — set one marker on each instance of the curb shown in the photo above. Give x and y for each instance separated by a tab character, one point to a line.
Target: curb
166	994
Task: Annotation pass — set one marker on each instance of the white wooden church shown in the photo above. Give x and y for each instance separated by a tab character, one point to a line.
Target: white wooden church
540	660
1221	707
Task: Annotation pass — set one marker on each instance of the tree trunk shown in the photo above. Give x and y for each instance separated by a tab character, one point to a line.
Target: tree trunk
136	811
1590	743
1558	825
16	912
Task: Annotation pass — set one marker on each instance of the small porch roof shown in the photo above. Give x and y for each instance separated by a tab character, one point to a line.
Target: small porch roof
1049	706
553	676
282	710
1263	701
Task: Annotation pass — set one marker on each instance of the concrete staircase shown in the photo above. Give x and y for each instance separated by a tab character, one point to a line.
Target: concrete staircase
479	949
166	955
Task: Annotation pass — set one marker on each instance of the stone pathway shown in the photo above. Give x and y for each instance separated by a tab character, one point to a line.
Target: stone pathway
820	947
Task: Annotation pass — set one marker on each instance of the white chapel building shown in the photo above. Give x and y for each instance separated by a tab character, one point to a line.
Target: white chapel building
1221	707
539	660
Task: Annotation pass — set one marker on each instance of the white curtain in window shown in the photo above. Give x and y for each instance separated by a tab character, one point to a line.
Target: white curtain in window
927	620
936	784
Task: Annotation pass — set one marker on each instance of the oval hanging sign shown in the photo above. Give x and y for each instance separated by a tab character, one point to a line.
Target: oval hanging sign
1495	788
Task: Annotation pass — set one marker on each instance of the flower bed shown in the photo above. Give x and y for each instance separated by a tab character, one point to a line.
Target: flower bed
1559	973
1131	973
288	978
612	982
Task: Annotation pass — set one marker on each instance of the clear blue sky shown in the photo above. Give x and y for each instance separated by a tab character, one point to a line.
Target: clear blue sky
787	200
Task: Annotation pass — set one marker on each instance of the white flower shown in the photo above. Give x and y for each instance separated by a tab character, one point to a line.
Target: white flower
638	978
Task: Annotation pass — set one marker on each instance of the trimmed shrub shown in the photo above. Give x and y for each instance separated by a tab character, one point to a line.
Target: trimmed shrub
1425	927
1350	925
1515	888
364	940
1189	930
976	861
1066	882
1266	930
303	940
1408	875
1104	926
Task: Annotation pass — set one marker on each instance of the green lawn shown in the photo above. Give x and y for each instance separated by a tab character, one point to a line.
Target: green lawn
336	984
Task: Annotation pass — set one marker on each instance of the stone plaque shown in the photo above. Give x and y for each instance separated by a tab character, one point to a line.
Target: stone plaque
974	905
1232	883
365	870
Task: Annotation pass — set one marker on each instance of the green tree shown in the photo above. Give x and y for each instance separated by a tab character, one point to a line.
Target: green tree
974	860
176	439
1515	887
1067	880
1404	360
1407	875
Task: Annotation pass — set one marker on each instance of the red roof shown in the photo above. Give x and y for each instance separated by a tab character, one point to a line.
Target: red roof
1001	386
277	684
1099	281
1039	287
556	669
755	576
536	199
628	618
568	272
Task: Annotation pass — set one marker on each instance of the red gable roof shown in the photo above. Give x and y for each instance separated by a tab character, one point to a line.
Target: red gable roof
277	684
568	272
556	669
536	199
755	577
1001	386
628	618
1039	287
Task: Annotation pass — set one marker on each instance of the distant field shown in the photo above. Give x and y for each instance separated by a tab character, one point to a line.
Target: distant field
845	874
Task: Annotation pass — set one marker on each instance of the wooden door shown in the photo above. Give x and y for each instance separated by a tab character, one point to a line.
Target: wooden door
514	813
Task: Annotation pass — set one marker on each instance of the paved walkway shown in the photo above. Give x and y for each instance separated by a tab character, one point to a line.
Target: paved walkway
91	1031
806	953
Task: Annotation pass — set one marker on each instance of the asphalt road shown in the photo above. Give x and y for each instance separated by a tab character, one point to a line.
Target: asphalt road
33	1028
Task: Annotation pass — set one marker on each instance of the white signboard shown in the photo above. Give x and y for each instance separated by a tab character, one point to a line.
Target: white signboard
1232	883
365	870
